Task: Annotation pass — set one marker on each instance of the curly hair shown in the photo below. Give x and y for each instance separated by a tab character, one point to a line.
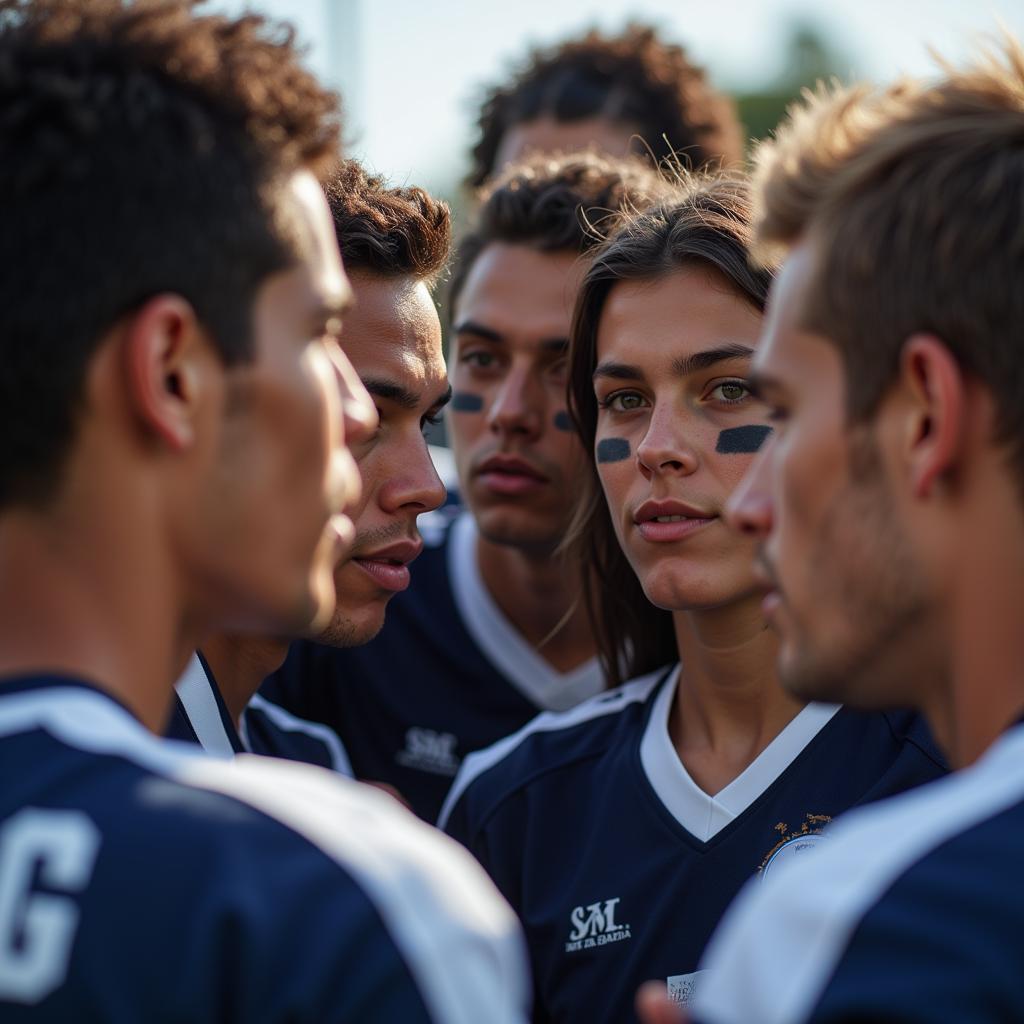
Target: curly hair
707	223
634	78
392	232
142	149
556	203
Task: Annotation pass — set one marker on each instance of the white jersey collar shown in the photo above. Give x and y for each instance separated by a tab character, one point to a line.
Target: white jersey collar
548	689
702	815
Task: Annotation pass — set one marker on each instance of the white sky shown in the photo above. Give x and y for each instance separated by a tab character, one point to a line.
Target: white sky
411	71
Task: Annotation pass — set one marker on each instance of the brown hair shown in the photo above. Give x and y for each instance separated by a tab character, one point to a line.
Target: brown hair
141	151
708	223
634	78
392	232
912	198
555	203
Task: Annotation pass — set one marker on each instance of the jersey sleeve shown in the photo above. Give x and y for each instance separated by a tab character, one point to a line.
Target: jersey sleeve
444	935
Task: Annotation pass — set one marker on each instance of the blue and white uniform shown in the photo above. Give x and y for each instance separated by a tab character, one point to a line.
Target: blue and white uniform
912	912
199	715
143	881
620	866
448	674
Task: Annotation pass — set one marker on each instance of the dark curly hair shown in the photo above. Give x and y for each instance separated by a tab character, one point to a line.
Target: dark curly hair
634	78
555	203
707	223
141	150
388	231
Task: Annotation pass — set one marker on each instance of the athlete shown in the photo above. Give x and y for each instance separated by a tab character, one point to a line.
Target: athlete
626	93
486	635
394	244
700	772
891	362
173	407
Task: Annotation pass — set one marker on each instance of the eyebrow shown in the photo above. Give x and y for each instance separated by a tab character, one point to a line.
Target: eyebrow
392	392
556	345
681	367
685	365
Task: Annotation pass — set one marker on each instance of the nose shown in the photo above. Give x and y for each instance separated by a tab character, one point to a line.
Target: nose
415	486
749	508
517	406
359	414
663	449
356	422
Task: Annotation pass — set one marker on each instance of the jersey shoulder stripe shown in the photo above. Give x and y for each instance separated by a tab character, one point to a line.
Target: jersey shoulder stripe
287	722
813	906
458	938
611	703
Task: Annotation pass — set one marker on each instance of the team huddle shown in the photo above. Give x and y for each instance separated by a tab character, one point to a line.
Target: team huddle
684	688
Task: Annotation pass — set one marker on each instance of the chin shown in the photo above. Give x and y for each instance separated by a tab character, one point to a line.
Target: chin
517	528
353	627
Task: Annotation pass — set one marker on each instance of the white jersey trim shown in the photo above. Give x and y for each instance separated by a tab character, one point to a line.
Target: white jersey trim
528	672
780	942
459	939
704	815
288	722
196	695
610	703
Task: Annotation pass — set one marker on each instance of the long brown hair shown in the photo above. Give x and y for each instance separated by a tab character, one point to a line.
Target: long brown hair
708	223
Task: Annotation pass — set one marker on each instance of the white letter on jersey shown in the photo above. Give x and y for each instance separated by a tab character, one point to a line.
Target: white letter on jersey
38	930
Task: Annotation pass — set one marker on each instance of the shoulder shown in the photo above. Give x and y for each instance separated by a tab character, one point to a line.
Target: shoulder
551	741
789	939
271	729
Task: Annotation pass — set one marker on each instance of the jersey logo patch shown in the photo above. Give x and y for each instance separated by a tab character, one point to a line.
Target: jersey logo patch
594	924
799	841
683	987
429	751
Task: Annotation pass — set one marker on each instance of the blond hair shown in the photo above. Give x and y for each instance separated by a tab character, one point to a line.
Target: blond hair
912	198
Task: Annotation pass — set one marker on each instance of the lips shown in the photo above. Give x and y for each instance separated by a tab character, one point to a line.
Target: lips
510	475
389	567
669	520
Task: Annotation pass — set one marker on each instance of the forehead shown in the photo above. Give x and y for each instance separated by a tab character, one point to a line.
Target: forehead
689	310
522	294
303	210
393	330
790	355
546	135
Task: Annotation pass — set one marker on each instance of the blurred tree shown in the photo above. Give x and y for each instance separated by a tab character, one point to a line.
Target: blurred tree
811	55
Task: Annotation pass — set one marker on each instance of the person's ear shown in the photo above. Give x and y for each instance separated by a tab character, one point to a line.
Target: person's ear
934	383
165	351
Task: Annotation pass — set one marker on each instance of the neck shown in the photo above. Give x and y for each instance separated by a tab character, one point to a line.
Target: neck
985	692
729	704
239	665
539	594
88	593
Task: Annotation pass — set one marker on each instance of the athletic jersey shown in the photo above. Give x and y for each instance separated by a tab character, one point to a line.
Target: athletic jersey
447	675
912	913
143	881
199	715
620	866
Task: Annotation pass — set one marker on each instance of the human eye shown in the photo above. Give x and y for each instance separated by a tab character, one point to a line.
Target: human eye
479	359
730	392
621	401
432	419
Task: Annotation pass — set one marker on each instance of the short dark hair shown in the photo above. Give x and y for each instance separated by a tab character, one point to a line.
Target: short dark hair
634	77
141	149
707	224
555	203
392	232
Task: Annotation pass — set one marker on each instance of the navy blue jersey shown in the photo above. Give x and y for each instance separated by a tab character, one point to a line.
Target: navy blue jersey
199	715
912	913
143	881
620	866
447	675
